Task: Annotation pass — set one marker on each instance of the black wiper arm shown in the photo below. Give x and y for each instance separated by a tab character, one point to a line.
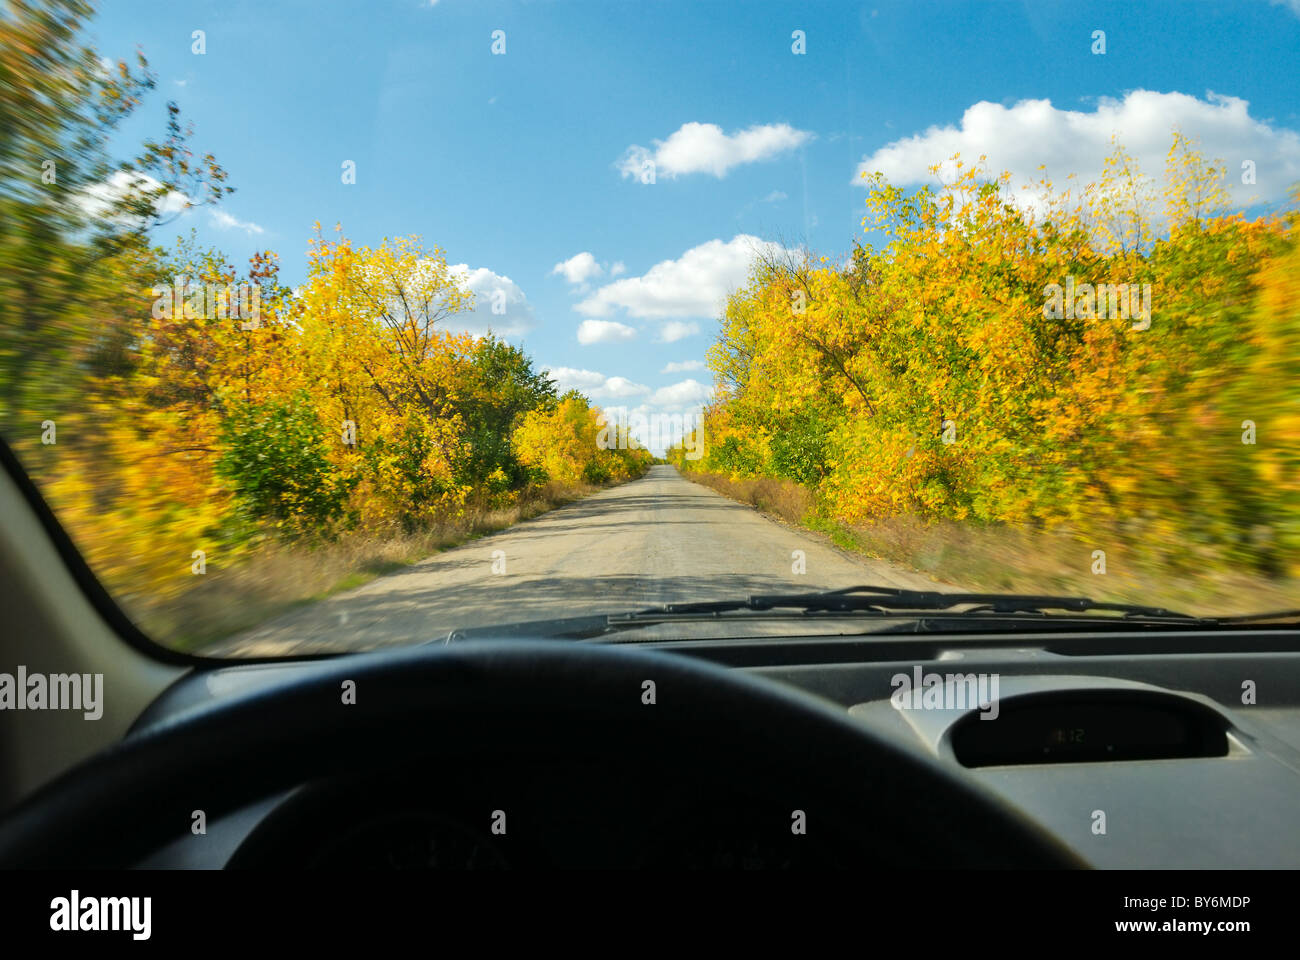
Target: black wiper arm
892	599
877	603
1283	615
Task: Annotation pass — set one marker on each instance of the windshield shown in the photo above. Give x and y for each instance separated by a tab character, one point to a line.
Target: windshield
331	328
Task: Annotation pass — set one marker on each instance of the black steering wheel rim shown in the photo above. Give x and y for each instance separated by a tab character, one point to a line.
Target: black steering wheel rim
117	807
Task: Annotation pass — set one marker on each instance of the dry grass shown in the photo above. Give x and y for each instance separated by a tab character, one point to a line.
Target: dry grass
281	575
1021	560
783	498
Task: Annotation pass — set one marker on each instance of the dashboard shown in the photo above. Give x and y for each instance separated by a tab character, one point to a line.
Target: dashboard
1142	750
559	815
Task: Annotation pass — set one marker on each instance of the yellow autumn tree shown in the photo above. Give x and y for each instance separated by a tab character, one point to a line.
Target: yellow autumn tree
383	374
1084	356
575	442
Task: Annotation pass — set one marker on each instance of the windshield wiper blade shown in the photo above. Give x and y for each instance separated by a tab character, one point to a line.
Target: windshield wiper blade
1284	615
876	603
895	600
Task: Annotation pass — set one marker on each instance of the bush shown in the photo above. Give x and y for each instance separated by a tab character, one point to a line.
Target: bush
274	459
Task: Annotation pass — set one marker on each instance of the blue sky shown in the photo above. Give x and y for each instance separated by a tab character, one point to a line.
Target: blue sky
518	163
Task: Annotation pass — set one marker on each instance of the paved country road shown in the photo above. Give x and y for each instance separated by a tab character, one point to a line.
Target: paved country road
659	539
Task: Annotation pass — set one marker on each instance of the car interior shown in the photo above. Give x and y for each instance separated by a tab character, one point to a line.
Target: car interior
567	436
1122	745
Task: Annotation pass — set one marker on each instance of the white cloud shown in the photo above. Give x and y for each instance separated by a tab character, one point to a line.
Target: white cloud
661	416
579	268
778	195
582	268
1032	132
687	395
595	385
97	200
696	284
618	388
683	366
571	378
675	330
604	331
491	289
655	427
705	148
227	222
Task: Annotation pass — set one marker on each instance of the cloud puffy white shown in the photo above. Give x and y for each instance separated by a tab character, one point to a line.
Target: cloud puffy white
663	417
97	200
683	366
705	148
582	268
571	378
604	331
491	289
675	330
686	395
621	387
659	418
579	268
1031	133
696	284
595	385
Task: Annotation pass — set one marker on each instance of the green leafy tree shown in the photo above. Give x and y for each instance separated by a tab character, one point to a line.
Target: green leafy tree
274	459
501	386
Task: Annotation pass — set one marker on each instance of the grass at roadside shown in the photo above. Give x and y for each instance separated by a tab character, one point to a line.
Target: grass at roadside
1019	560
283	575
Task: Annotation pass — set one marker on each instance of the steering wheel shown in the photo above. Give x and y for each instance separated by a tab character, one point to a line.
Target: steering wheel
431	705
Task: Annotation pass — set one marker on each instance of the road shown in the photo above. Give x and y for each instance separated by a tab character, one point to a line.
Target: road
659	539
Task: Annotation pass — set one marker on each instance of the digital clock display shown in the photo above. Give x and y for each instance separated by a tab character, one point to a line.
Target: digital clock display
1094	727
1064	735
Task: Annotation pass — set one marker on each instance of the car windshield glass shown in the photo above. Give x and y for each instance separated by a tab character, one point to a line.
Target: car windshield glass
328	328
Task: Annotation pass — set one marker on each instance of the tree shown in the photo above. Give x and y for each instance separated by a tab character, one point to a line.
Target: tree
73	222
274	458
499	387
